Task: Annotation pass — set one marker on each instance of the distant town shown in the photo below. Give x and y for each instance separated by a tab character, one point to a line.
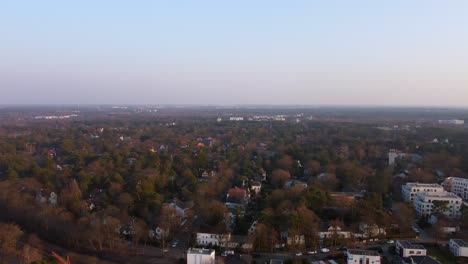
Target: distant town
211	184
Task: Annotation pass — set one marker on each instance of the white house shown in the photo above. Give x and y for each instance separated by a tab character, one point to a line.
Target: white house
358	256
181	208
458	186
335	232
410	189
405	249
458	247
200	256
256	187
206	239
424	204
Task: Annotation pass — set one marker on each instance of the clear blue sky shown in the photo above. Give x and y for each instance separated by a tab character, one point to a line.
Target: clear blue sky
396	52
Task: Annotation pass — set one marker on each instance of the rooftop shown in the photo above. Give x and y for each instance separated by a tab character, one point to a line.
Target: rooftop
438	195
409	245
200	251
363	252
423	185
460	242
457	179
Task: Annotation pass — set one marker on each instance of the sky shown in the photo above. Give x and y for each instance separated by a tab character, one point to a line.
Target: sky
304	52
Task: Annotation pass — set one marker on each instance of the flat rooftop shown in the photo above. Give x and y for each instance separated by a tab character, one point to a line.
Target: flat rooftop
200	251
460	242
363	252
438	195
422	185
409	245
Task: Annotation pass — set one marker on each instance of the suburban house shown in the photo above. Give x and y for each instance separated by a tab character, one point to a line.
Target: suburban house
237	197
335	232
206	239
223	240
200	256
43	197
358	256
256	187
371	230
292	240
458	247
182	208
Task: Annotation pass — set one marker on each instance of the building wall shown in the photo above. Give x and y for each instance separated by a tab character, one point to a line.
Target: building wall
205	239
457	250
410	190
360	259
424	206
458	186
408	252
200	258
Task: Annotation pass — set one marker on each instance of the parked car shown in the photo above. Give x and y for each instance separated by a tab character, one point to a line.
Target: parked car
324	250
312	252
299	254
390	242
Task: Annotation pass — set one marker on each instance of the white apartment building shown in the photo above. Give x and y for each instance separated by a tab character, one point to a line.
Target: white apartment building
410	189
358	256
458	186
424	203
406	249
200	256
458	247
206	239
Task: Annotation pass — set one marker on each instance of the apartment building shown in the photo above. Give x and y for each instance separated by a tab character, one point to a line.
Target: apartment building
458	186
410	189
426	203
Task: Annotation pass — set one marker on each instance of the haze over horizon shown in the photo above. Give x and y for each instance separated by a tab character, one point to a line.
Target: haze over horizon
401	53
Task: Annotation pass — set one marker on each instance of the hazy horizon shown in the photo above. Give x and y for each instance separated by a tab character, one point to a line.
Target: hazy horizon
333	53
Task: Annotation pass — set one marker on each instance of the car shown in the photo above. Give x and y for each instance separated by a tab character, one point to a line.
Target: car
175	244
224	254
312	252
342	248
324	250
390	242
299	254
